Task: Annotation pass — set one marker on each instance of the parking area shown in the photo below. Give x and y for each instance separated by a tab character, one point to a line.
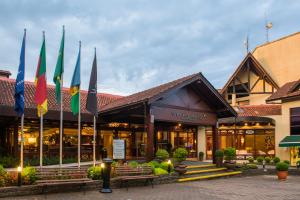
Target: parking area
240	188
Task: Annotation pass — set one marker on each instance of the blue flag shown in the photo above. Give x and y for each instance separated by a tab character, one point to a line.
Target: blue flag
19	87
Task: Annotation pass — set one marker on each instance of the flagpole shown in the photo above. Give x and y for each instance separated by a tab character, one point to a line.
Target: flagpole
79	117
61	117
41	138
22	142
94	142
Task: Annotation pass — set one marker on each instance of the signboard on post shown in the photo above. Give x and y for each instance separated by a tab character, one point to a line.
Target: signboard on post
118	149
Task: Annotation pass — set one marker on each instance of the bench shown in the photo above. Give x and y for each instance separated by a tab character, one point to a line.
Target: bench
126	174
48	177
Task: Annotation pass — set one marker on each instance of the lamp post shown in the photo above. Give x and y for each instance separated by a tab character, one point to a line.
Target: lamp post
264	166
19	169
169	166
106	168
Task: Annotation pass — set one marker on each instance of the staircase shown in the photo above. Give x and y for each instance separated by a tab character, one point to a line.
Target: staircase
204	172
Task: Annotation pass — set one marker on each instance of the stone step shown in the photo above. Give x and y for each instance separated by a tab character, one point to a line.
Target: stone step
205	177
200	166
205	171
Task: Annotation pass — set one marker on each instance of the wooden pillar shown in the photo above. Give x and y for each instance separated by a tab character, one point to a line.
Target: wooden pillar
150	134
15	139
215	142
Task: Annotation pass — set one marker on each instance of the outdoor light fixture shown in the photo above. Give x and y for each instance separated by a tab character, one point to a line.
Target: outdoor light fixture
105	172
264	165
19	169
169	166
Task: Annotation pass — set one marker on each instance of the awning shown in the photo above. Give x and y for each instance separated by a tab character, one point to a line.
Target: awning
290	141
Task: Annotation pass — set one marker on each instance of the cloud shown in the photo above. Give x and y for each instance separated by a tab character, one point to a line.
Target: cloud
141	44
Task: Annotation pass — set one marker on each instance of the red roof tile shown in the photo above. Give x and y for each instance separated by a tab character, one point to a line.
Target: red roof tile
7	96
258	110
286	91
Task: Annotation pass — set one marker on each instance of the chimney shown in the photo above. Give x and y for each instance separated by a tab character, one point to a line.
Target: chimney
4	73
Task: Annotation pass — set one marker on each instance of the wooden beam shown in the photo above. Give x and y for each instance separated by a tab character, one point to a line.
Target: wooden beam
255	83
215	142
243	84
264	84
248	72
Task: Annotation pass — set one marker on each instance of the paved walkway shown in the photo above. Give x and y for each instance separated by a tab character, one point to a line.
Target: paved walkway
239	188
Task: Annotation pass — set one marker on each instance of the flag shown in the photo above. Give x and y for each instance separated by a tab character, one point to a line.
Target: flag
59	69
19	86
75	87
40	82
91	102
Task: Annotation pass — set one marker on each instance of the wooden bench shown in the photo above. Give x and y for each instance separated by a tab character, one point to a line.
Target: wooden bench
126	174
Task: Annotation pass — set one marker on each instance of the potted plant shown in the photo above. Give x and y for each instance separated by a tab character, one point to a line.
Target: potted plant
180	155
201	156
229	156
282	170
219	154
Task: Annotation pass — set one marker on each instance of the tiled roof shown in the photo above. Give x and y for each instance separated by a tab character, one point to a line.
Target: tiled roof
258	110
146	94
7	96
286	91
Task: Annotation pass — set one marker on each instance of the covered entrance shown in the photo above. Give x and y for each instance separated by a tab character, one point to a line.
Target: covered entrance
292	142
167	116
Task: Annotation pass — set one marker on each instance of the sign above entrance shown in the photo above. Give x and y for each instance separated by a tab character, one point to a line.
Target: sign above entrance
118	149
185	116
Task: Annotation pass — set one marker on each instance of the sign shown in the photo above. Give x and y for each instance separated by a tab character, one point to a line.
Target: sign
118	149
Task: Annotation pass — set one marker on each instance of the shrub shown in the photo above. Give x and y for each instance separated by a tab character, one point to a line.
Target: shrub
251	166
201	155
180	154
267	159
251	160
29	175
260	159
165	166
219	153
94	173
160	171
162	154
230	154
9	161
298	163
154	164
287	162
282	166
276	160
133	164
114	163
3	175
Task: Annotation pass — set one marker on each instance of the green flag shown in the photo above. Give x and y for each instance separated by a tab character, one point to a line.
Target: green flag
59	69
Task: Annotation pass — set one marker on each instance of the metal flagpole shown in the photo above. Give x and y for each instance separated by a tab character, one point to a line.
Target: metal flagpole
61	123
22	141
79	120
41	137
94	142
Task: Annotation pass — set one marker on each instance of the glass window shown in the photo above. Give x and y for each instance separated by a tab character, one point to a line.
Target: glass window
295	121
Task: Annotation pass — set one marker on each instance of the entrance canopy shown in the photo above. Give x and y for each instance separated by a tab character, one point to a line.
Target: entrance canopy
290	141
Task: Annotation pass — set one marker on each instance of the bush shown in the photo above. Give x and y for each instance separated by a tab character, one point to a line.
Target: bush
9	161
282	166
29	175
180	154
260	159
165	166
133	164
287	162
219	153
114	163
160	171
230	154
162	154
251	160
251	166
154	164
298	163
201	155
267	159
94	173
3	175
276	160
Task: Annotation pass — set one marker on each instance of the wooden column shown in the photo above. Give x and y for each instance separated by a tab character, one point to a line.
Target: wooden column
150	134
15	138
215	142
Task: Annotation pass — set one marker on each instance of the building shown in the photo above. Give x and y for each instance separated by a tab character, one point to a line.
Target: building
168	116
266	101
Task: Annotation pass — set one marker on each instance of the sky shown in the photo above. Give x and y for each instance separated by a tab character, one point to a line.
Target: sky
141	43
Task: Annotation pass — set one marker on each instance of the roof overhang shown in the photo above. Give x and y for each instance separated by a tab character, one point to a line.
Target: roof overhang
233	120
290	141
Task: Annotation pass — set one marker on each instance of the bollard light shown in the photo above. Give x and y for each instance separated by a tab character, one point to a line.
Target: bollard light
106	168
102	166
298	164
169	166
19	169
264	166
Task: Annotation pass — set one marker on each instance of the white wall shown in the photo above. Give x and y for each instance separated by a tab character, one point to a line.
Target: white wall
201	141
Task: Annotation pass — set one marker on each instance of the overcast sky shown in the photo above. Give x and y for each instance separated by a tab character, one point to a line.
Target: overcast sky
141	43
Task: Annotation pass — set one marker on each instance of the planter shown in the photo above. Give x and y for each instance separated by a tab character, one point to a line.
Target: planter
201	156
219	161
180	169
282	175
230	165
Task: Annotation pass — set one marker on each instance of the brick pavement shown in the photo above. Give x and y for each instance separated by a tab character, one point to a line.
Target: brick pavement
240	188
